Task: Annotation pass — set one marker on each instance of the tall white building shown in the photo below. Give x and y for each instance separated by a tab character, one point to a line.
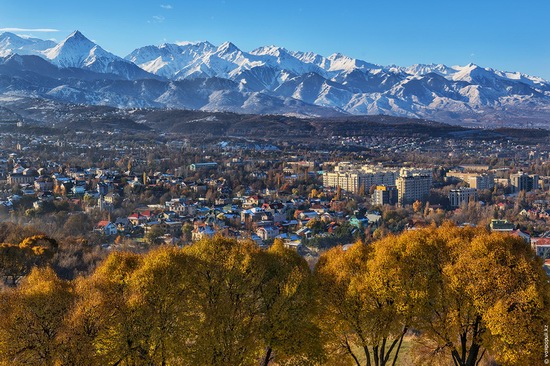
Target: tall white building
474	180
481	182
413	185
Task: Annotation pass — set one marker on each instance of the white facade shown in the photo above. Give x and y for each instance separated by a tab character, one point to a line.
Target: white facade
352	177
413	186
462	195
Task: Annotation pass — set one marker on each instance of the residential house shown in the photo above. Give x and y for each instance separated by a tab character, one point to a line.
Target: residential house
541	246
123	224
137	219
106	228
359	222
202	231
267	232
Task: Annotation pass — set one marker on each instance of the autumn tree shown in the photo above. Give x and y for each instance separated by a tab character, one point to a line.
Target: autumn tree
363	313
504	282
17	261
417	206
160	295
226	293
32	319
477	293
287	329
102	322
468	292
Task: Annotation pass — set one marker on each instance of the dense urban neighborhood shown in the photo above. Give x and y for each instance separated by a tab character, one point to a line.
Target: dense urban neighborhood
121	190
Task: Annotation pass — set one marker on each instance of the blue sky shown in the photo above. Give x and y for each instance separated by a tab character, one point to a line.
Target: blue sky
506	35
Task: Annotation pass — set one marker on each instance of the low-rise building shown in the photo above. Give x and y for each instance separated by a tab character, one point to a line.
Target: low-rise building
462	195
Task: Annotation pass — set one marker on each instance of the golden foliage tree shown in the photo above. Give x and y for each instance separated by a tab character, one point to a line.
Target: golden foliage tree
467	291
226	281
220	301
17	261
478	292
104	317
363	312
32	318
287	329
504	281
160	295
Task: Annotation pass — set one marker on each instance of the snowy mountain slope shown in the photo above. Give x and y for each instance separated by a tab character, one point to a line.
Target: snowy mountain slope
270	79
79	52
11	43
168	59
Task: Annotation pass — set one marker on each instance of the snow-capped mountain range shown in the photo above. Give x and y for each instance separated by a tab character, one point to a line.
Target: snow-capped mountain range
200	75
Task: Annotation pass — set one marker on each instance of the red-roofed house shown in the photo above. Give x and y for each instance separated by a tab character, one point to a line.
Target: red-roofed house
541	246
137	219
106	228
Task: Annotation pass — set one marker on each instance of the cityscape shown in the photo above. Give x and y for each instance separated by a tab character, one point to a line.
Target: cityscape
198	203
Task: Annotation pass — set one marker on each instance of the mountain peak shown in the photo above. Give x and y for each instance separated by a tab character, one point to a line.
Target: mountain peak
8	35
194	43
23	45
227	47
76	36
78	51
269	50
338	56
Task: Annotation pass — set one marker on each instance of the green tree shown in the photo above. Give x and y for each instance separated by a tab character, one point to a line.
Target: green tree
154	233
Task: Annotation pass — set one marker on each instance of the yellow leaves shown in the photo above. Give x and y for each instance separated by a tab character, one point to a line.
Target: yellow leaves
17	260
32	319
224	302
448	282
38	240
358	299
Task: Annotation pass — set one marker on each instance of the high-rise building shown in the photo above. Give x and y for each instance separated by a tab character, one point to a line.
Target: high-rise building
413	186
348	181
462	195
523	182
384	195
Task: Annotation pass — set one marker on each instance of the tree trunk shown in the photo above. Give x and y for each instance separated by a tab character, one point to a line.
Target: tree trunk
375	354
472	356
267	357
348	347
367	354
398	347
